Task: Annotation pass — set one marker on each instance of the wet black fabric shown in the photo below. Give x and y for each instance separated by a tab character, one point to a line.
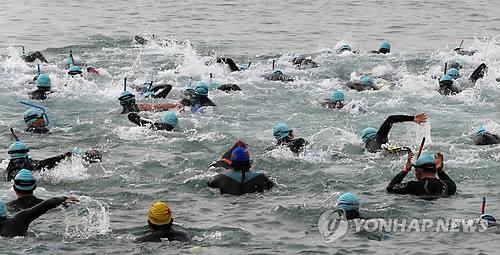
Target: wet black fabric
197	100
23	203
230	62
230	183
37	130
34	56
135	118
486	139
375	144
447	89
130	108
358	86
15	165
39	94
169	232
229	87
444	186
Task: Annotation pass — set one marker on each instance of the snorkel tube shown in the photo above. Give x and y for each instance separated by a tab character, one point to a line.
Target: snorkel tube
45	116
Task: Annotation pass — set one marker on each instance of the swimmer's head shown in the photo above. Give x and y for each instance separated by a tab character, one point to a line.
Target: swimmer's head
74	70
337	96
490	219
43	81
344	47
426	163
453	73
201	89
281	131
480	131
368	134
170	118
446	80
33	117
18	150
159	214
240	158
367	80
126	98
348	201
24	182
385	47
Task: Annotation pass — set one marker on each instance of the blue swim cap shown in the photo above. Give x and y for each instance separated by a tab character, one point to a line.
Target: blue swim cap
368	134
3	209
43	81
32	114
74	70
170	118
281	131
453	73
18	150
348	201
201	89
367	80
240	154
480	131
337	96
126	98
425	159
385	45
446	78
24	180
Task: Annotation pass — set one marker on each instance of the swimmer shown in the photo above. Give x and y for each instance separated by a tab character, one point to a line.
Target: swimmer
198	99
36	119
74	71
426	168
168	121
366	82
385	47
301	62
229	87
349	202
43	88
285	137
225	160
240	179
375	138
483	137
127	101
335	101
154	91
24	185
232	65
33	56
161	225
460	51
447	87
345	48
277	75
18	224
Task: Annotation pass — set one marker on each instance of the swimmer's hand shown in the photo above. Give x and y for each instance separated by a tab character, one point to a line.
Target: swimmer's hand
420	118
439	161
408	164
134	117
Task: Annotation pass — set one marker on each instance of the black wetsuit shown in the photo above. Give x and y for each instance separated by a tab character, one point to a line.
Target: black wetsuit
135	118
23	203
332	105
447	88
277	76
478	73
486	139
168	232
350	215
229	87
40	94
375	144
463	52
15	165
304	63
34	56
296	145
381	51
130	108
444	186
197	100
19	224
358	86
232	65
159	91
37	130
139	39
230	183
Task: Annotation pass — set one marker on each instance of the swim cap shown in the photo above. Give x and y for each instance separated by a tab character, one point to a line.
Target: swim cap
170	118
480	131
453	73
74	70
281	131
367	80
425	159
240	154
445	78
126	98
159	213
201	89
3	209
348	201
344	48
337	96
18	150
43	81
32	114
24	180
488	218
385	45
368	134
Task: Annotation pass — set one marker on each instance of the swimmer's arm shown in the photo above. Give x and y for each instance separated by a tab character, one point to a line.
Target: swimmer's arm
214	183
51	162
135	118
38	210
395	186
156	107
384	129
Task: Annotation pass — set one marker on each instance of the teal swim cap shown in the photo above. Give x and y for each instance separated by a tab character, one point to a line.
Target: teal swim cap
337	96
18	150
385	45
367	80
348	201
425	159
24	180
126	98
368	134
344	47
488	218
32	114
201	89
43	81
453	73
281	131
170	118
73	70
3	209
480	131
445	78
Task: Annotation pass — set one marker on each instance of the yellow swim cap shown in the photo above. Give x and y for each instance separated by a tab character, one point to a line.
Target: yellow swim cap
159	213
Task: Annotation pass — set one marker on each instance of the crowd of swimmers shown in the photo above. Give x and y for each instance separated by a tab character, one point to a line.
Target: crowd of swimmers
237	178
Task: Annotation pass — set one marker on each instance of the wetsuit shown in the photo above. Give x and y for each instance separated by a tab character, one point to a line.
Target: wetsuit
230	183
332	105
37	130
23	203
304	63
447	88
486	139
15	165
18	225
463	52
350	215
40	94
168	232
135	118
229	87
158	91
433	187
139	39
277	76
478	73
232	65
358	86
375	144
34	56
130	108
381	51
296	145
225	160
197	100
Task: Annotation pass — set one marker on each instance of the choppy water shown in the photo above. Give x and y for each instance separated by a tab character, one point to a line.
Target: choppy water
142	166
